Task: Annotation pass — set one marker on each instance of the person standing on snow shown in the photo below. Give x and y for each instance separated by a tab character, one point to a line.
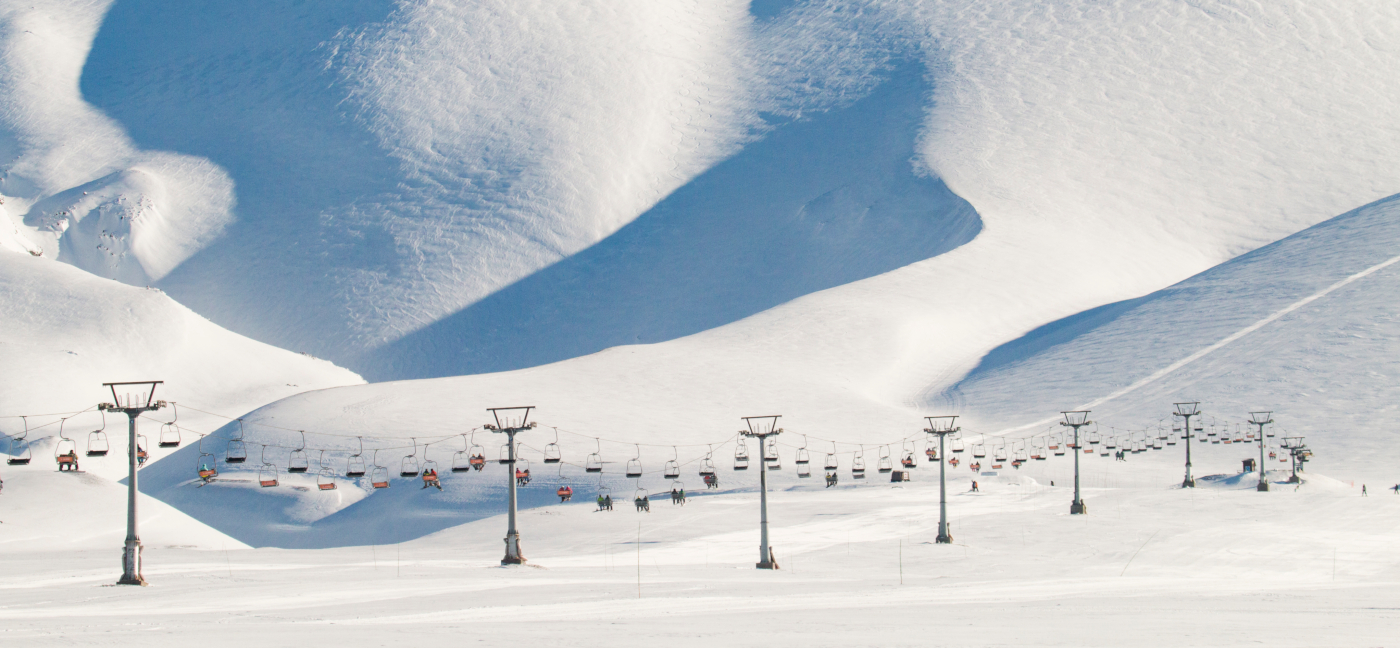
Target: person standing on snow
1363	490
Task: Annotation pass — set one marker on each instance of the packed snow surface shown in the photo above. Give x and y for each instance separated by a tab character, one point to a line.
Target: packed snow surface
1221	566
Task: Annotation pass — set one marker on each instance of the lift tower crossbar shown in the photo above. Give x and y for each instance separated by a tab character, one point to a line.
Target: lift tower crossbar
133	406
511	421
762	427
942	426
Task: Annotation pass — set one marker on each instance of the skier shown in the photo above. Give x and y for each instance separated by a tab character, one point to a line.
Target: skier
974	486
607	502
711	481
643	503
565	493
600	501
1363	490
830	479
430	478
1396	488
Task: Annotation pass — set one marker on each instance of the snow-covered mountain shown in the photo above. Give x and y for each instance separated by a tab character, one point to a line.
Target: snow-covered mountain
383	183
650	218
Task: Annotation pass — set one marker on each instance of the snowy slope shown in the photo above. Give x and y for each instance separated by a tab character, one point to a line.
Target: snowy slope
1305	327
64	332
395	165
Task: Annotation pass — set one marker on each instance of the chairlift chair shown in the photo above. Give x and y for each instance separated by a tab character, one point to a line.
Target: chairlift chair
18	450
858	465
267	473
931	451
430	465
999	455
552	454
97	445
408	467
979	451
707	465
379	475
170	432
804	470
141	444
206	465
802	457
65	452
522	470
594	463
907	459
297	461
771	456
831	461
236	452
634	465
505	453
956	445
462	460
325	477
355	465
672	469
884	465
741	456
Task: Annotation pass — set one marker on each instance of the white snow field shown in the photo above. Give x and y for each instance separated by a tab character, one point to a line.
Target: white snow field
649	218
377	172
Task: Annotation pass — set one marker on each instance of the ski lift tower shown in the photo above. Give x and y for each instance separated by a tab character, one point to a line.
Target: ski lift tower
511	421
762	427
942	426
133	404
1260	419
1297	450
1076	420
1186	411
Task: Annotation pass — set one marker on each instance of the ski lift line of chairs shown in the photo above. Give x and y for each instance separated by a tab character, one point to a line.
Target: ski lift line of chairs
170	432
267	474
236	451
297	461
594	462
355	465
97	445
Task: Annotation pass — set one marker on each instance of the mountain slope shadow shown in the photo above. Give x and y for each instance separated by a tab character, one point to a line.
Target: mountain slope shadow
818	203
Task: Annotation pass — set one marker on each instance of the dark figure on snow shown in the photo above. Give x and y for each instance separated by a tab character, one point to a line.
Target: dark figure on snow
830	479
711	481
974	486
643	504
1363	490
